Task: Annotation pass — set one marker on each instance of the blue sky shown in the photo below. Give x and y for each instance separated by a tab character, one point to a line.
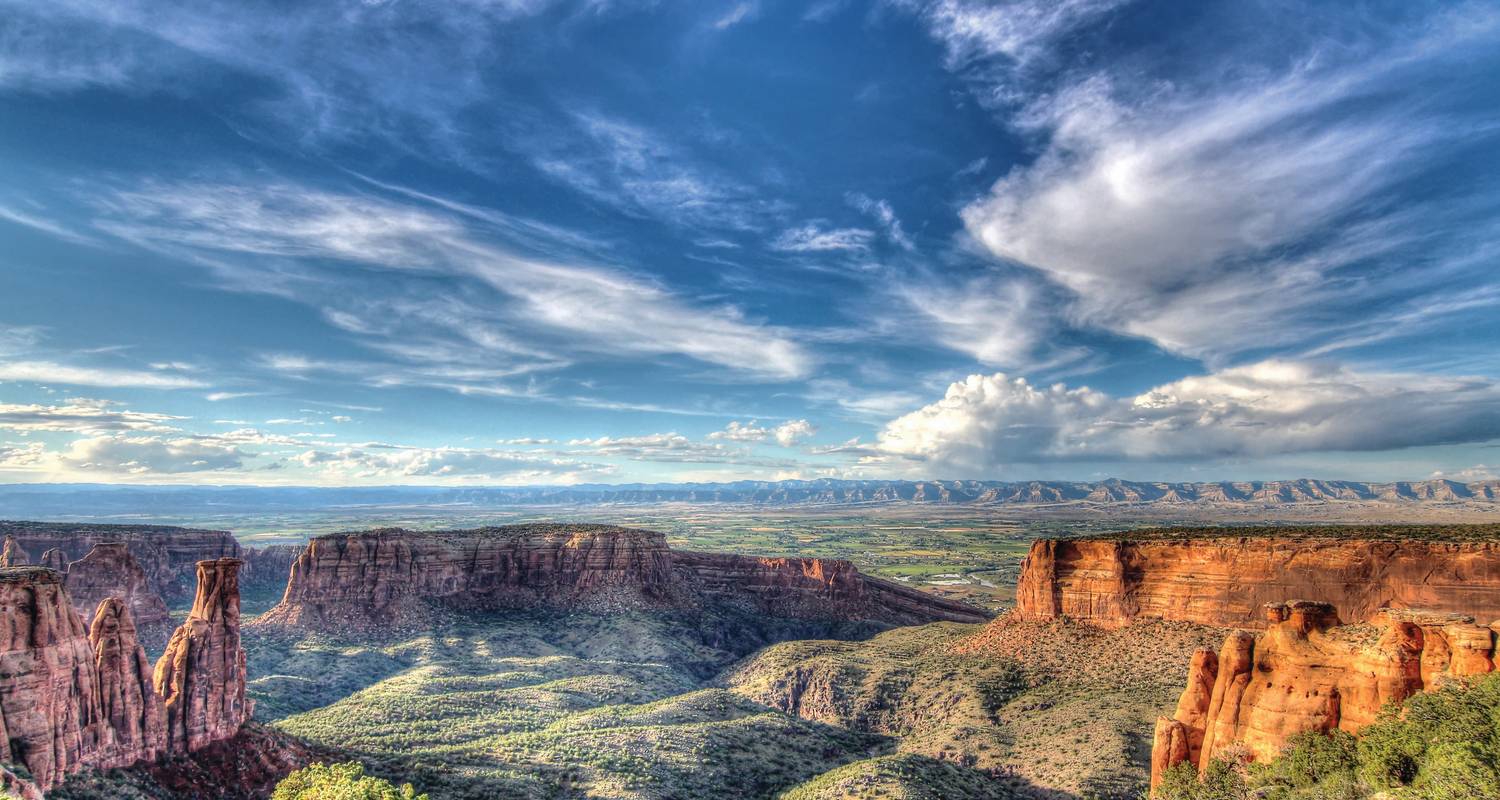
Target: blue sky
538	241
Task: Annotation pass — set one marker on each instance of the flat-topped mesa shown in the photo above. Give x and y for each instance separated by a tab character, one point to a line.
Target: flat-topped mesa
1224	579
1305	672
201	676
813	588
51	720
110	571
392	578
166	554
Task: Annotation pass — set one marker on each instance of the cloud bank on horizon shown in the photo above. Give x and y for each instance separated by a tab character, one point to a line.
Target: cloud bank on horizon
560	241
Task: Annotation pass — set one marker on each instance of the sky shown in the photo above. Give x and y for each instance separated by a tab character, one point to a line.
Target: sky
563	241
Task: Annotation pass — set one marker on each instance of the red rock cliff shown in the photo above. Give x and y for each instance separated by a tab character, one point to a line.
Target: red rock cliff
395	577
110	571
1306	672
72	696
165	553
201	676
1225	580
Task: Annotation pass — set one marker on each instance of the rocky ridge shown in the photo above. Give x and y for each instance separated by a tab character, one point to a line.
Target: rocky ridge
1305	671
166	554
1224	579
391	577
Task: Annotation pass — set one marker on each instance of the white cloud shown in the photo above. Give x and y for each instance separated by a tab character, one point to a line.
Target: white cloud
737	14
814	238
737	431
142	455
885	215
1017	31
1267	408
53	372
792	432
390	462
998	321
1222	218
81	416
502	318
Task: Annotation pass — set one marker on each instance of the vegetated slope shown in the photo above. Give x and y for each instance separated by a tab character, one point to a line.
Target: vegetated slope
904	776
548	705
1048	709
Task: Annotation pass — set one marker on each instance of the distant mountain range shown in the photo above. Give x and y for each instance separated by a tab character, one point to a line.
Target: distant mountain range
36	500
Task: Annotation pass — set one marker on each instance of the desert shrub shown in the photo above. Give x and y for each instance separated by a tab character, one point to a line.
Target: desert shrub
346	781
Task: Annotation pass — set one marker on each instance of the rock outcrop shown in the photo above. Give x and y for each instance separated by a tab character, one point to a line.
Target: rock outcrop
51	720
110	571
72	696
11	555
1224	580
201	676
130	706
1306	672
166	554
267	568
395	578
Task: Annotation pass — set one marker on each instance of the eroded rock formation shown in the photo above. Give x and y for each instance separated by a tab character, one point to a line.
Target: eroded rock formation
389	578
267	568
166	554
1224	580
11	555
201	676
1307	672
110	571
51	720
72	696
130	706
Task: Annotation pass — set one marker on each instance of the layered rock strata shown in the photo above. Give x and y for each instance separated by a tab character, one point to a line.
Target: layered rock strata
1225	580
110	571
1306	672
72	696
391	577
166	554
201	676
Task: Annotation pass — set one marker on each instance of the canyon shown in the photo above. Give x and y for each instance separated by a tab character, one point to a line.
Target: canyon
75	696
1212	578
395	579
1306	672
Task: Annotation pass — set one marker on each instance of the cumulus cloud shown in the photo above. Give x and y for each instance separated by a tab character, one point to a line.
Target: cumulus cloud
737	431
142	455
665	447
792	432
1272	407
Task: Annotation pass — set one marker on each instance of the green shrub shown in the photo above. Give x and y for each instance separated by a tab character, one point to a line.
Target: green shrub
346	781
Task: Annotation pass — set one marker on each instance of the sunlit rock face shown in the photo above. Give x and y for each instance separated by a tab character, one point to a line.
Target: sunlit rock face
201	676
390	579
1225	580
1306	672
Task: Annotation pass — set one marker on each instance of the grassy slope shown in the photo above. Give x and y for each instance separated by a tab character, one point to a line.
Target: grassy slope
538	706
1053	710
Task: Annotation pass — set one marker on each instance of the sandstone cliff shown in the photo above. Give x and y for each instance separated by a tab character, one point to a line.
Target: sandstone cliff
51	720
166	554
131	708
1224	580
1306	672
267	568
201	676
110	571
390	578
72	696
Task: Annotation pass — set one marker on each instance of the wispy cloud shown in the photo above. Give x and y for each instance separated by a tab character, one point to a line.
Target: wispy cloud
53	372
814	237
496	315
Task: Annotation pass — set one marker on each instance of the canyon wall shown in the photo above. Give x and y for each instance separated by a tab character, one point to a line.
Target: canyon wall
1224	580
110	571
1306	672
393	578
74	696
166	554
